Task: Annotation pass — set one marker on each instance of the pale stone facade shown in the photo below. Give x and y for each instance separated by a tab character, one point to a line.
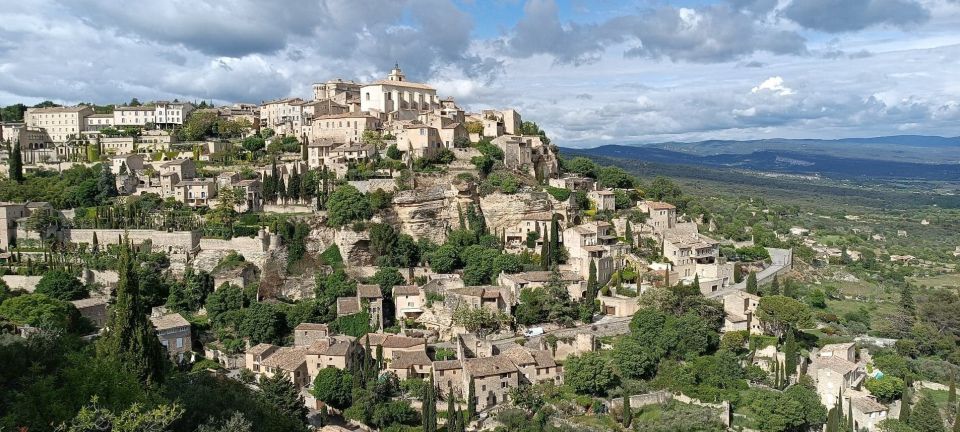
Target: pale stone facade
395	94
60	123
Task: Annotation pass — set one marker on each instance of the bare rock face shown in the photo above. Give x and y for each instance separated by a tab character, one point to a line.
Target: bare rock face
502	211
354	247
425	212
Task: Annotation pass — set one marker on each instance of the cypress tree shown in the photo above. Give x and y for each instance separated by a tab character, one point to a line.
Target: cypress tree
696	282
952	393
956	422
554	240
627	411
840	419
906	300
471	400
776	373
775	286
850	417
790	353
833	420
926	416
16	164
737	273
95	243
130	339
324	415
463	223
429	408
905	401
628	233
451	410
545	254
752	283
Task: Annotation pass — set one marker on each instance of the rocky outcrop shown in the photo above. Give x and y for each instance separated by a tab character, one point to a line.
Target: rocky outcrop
502	211
425	212
354	247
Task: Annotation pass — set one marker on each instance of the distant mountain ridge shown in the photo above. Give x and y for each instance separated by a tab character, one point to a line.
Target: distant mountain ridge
903	156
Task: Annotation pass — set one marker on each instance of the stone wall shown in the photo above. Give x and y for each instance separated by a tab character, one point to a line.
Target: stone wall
366	186
179	244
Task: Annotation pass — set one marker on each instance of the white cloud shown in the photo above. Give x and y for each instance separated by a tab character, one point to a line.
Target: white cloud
773	85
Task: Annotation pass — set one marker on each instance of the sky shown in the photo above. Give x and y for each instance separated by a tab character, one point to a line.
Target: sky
589	72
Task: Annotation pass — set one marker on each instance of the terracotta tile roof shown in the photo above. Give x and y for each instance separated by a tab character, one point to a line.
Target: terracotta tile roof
89	302
486	291
543	276
447	365
286	358
406	290
391	340
520	356
338	348
169	321
259	349
836	364
408	359
312	326
543	358
867	404
658	205
487	366
348	305
369	291
318	347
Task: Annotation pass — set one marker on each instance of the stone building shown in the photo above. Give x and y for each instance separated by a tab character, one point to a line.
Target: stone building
60	123
493	378
173	331
395	93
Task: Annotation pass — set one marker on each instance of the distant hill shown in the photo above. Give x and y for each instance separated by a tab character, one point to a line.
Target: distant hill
893	157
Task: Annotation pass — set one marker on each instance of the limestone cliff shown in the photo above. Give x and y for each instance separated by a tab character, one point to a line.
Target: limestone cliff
502	211
425	212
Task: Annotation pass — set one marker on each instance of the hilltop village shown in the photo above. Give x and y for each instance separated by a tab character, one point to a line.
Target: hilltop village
378	258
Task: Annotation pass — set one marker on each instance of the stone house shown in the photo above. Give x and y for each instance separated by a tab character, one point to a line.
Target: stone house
353	152
867	411
319	151
338	353
573	183
408	302
493	378
196	193
389	344
618	305
306	334
694	254
661	216
254	356
538	223
173	331
604	199
369	297
288	361
490	297
449	374
410	364
834	369
419	141
95	310
739	309
514	283
535	366
592	241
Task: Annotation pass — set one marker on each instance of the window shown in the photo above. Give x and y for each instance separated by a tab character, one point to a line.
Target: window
483	388
503	384
179	342
368	95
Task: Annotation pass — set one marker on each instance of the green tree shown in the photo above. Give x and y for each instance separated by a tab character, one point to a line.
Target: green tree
471	400
41	311
774	286
590	373
16	163
926	416
93	418
906	403
61	285
480	320
627	410
430	407
129	337
752	283
263	323
737	273
346	205
284	395
790	353
887	389
779	313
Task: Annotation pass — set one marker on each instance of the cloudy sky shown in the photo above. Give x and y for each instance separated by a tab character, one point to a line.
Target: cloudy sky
589	71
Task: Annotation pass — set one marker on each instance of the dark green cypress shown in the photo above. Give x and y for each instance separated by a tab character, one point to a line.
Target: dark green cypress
554	240
790	353
627	411
16	164
130	339
471	400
